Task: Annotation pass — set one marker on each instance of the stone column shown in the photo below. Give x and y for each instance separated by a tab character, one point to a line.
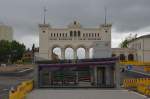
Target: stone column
36	76
77	77
117	75
62	53
75	53
109	76
86	53
50	53
95	75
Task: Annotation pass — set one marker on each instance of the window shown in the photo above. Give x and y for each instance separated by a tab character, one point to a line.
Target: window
75	22
86	34
92	35
83	34
75	33
71	33
79	33
43	31
89	34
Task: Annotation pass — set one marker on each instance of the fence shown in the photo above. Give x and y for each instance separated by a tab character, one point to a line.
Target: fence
142	85
147	69
21	90
4	94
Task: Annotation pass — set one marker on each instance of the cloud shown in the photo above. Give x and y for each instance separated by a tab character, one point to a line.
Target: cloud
25	15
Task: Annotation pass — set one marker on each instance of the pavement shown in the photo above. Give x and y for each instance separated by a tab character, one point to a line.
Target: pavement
83	94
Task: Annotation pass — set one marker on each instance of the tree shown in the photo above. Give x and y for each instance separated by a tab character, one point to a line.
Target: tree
17	51
124	43
5	48
11	51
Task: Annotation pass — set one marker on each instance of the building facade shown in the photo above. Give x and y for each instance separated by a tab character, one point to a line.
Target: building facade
6	32
124	54
138	50
74	36
142	48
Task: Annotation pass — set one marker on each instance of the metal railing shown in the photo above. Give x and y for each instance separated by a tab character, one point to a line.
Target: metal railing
4	94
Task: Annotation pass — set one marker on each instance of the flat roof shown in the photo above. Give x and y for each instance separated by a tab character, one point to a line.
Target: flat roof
108	63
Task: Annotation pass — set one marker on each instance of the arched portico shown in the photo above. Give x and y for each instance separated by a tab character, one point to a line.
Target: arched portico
74	36
76	50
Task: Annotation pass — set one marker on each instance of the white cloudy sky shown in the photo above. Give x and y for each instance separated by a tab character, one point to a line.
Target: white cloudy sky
126	16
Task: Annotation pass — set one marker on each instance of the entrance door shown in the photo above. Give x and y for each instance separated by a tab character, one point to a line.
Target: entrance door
101	76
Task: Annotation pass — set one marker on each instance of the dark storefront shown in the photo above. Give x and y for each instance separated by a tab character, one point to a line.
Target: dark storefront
98	73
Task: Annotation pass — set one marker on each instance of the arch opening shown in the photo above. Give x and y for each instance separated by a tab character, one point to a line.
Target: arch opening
56	52
130	57
69	53
81	53
122	57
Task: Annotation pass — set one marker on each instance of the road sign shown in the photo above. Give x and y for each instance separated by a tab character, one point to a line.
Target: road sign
129	67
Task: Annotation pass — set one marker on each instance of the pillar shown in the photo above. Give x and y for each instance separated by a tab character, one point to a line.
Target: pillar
117	75
75	53
86	53
50	53
109	75
77	77
95	75
62	53
36	76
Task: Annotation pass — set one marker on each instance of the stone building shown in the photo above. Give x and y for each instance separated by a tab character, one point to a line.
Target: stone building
138	50
74	36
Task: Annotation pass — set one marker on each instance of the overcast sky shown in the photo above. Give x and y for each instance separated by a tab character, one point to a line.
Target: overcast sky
126	16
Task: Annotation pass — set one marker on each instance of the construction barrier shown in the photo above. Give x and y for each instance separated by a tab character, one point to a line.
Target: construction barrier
130	83
135	63
21	90
142	85
147	69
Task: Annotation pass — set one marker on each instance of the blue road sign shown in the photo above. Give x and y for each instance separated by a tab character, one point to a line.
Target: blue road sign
129	67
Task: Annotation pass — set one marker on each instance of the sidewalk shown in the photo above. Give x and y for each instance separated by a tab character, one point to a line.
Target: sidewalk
83	94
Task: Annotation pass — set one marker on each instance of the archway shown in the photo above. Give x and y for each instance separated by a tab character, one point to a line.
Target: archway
122	57
57	51
91	52
80	53
130	57
69	53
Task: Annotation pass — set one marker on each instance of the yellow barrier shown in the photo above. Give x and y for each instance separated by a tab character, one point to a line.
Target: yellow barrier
142	85
147	69
21	90
136	63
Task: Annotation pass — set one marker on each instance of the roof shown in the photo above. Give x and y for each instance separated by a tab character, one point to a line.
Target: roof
141	37
108	63
84	62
